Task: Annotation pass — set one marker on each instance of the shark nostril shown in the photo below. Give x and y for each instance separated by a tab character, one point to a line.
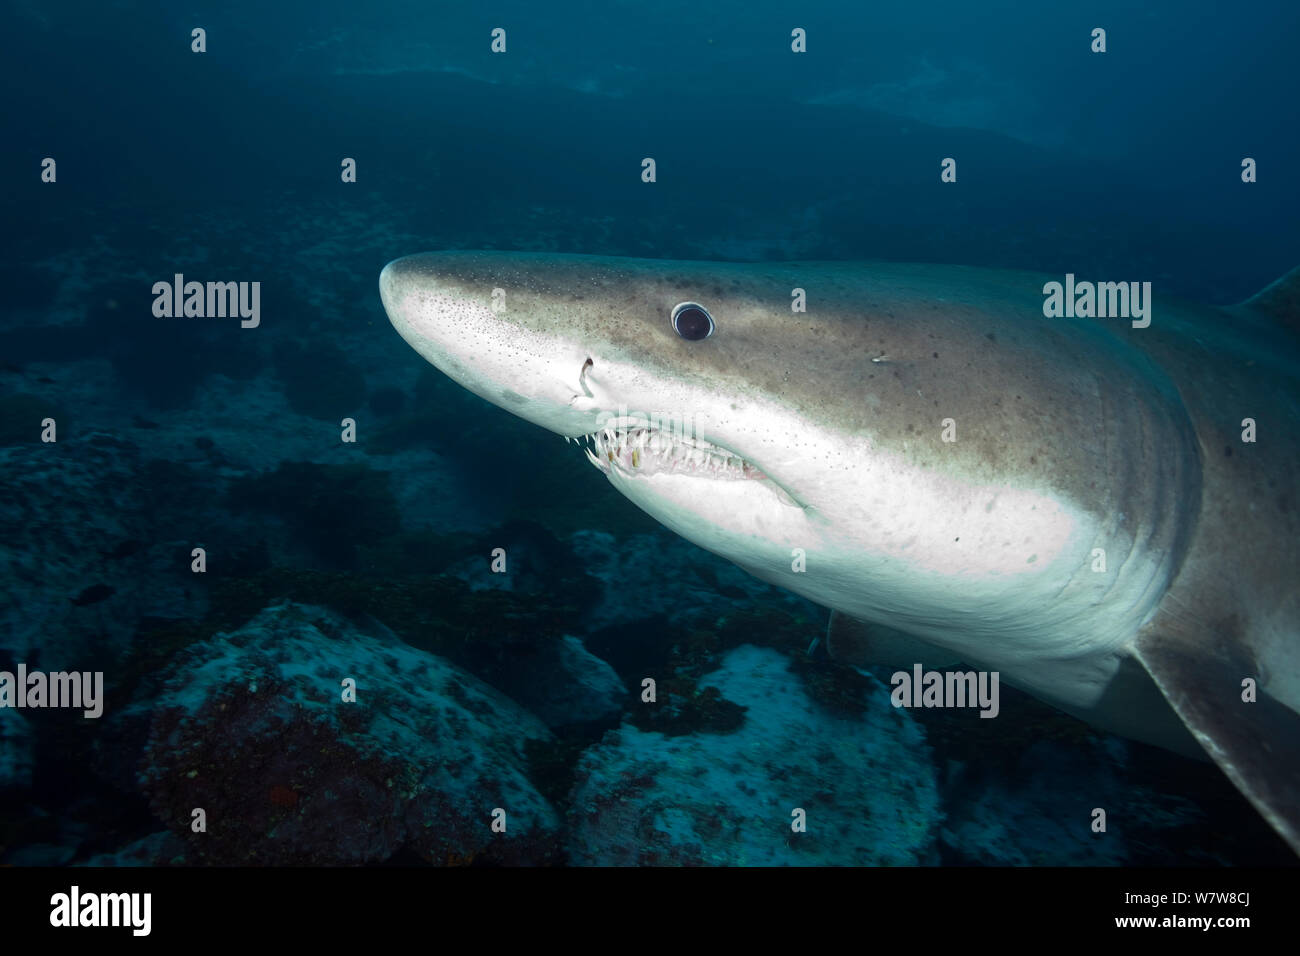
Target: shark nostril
582	376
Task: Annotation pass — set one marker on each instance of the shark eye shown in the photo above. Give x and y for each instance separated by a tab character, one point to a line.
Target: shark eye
692	321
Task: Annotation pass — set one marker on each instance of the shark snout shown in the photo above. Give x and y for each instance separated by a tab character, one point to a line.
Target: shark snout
403	284
457	319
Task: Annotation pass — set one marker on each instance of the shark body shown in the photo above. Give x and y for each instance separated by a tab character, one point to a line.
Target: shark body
1067	501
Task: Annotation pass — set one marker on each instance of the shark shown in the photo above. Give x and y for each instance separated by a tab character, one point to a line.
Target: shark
1102	511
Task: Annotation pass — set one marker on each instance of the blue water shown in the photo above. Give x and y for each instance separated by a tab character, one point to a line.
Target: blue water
225	165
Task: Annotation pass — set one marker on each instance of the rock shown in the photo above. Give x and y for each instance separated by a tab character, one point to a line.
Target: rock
867	785
554	677
157	849
16	755
41	854
1040	811
571	686
251	727
78	548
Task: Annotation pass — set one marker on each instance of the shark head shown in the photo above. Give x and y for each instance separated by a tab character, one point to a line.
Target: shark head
855	435
651	368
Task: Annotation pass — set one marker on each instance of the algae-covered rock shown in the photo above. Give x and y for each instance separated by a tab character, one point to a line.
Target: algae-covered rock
254	728
866	785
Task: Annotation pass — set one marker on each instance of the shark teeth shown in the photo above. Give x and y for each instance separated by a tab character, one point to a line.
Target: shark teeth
641	450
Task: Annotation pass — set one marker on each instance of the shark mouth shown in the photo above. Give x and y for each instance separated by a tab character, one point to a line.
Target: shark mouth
638	450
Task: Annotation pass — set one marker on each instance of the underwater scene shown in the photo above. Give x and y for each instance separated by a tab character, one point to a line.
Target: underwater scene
732	434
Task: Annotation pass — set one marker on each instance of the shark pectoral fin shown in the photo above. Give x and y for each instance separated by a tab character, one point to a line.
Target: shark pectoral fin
1255	742
866	645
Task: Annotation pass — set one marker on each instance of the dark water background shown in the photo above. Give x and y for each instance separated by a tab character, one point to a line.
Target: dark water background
225	166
